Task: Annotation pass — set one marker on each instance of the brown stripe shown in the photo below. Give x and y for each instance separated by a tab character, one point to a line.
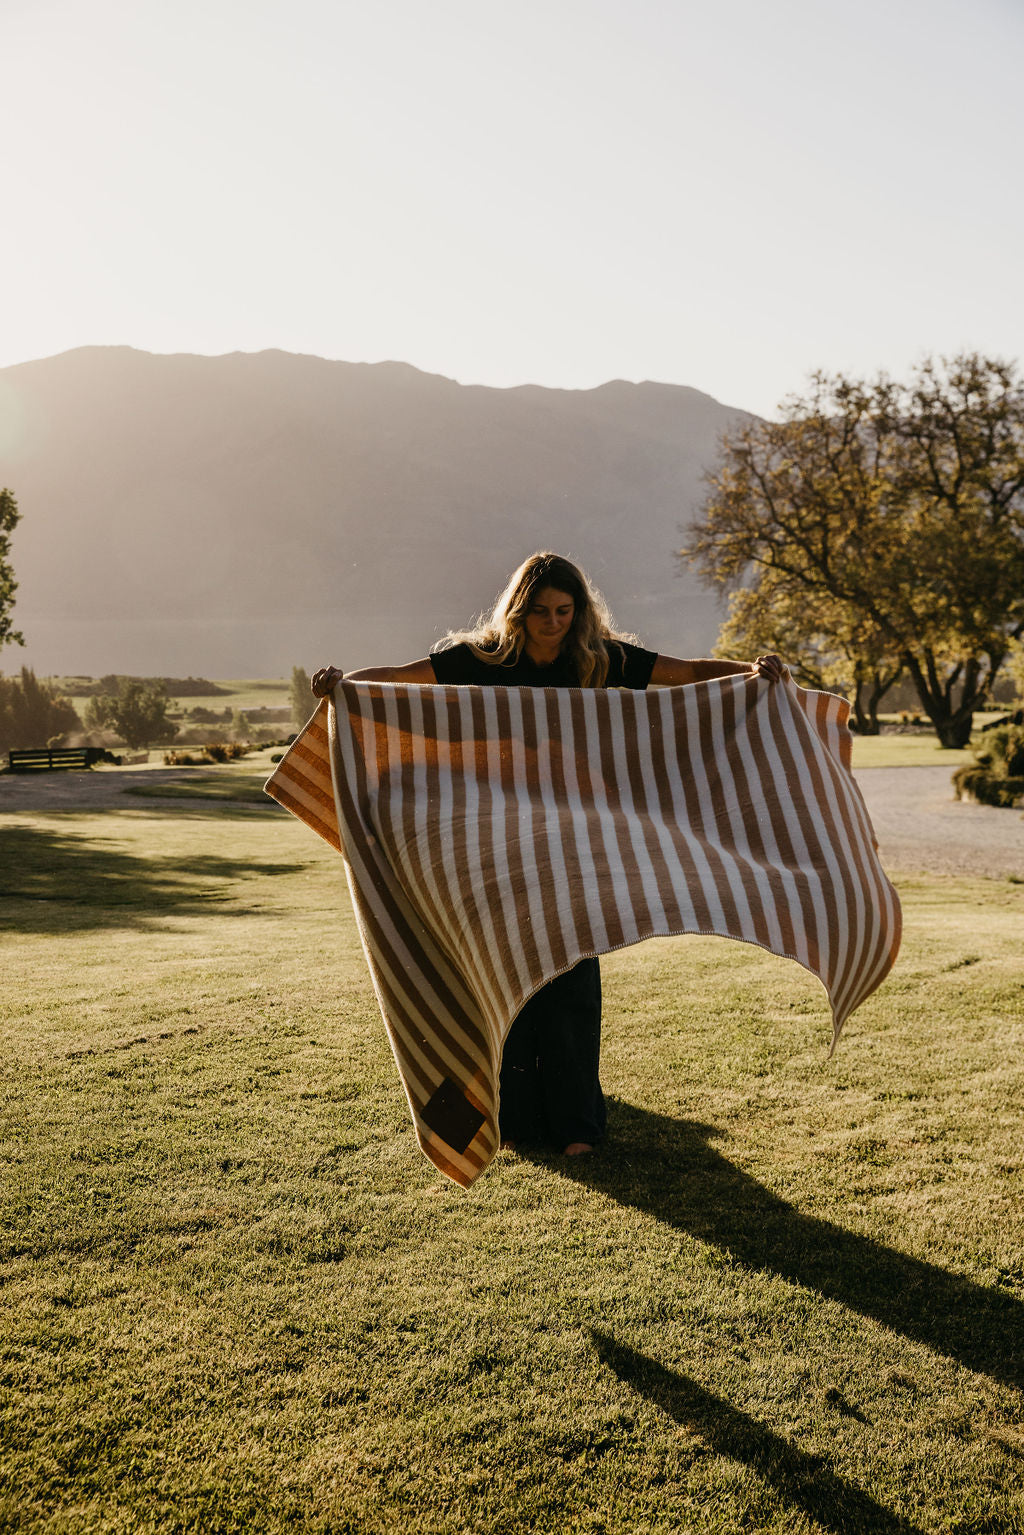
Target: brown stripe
464	763
397	810
596	850
824	908
318	789
523	937
721	783
566	829
879	898
666	805
754	797
632	751
378	873
438	702
538	830
404	814
486	801
829	798
683	706
640	910
766	714
326	829
421	1025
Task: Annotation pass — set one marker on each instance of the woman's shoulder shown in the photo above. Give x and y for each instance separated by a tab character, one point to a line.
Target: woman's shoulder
460	663
629	664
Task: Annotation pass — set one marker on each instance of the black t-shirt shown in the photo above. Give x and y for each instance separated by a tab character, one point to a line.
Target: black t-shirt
629	666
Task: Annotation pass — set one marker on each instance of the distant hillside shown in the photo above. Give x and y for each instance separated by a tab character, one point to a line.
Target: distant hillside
233	516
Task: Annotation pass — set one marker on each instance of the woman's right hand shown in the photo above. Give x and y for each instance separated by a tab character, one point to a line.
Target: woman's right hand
325	680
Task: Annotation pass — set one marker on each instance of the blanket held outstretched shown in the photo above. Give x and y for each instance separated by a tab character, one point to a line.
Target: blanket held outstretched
494	836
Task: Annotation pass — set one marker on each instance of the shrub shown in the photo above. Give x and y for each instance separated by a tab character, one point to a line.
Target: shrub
184	759
996	776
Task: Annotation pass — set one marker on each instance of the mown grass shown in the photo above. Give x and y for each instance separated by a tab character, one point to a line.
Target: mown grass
245	693
787	1295
906	751
237	693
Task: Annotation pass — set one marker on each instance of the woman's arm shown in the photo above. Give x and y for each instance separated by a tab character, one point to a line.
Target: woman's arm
327	678
671	672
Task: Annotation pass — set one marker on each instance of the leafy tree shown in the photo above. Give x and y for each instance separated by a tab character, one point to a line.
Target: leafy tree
137	712
33	713
888	521
1015	669
827	646
300	697
9	516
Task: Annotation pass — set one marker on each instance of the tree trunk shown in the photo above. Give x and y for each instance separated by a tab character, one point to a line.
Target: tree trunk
866	717
956	731
953	723
866	720
876	684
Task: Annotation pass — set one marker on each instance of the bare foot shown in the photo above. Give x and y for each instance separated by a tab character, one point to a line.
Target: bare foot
578	1149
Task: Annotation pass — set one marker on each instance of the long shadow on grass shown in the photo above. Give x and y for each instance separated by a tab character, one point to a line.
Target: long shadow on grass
61	882
666	1167
805	1480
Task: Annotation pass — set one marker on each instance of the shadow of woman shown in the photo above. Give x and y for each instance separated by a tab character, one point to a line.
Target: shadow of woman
666	1168
799	1478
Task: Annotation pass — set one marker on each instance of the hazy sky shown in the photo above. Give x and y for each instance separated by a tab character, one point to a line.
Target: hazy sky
725	194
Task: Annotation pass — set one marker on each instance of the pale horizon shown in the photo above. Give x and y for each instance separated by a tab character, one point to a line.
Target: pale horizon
725	198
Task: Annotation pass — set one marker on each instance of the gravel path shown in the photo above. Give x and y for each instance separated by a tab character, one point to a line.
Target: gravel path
920	827
98	788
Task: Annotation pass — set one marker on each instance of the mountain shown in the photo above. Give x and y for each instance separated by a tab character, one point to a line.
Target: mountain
237	515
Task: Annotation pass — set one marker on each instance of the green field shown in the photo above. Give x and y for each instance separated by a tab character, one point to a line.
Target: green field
786	1295
896	750
237	693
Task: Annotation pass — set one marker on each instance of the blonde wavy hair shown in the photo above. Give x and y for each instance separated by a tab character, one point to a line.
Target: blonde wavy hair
499	637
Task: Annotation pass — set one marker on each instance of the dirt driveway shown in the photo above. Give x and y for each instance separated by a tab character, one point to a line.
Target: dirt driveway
919	825
98	788
921	828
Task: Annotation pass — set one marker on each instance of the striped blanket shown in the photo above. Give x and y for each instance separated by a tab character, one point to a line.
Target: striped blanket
494	836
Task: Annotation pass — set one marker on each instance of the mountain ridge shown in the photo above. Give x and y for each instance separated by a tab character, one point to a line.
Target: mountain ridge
234	515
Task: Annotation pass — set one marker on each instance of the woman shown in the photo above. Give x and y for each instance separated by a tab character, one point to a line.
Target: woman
551	628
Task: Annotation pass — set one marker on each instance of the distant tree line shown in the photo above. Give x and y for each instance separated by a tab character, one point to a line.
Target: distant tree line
175	687
877	532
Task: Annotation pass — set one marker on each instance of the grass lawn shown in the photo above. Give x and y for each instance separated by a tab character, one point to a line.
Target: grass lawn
245	693
906	751
787	1295
239	693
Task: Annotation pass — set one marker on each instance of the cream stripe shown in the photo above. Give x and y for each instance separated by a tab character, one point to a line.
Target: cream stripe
674	892
734	874
631	813
569	713
506	892
536	933
462	917
673	711
782	741
553	835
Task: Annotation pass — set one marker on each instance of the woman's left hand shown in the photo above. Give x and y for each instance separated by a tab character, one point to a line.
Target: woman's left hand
771	667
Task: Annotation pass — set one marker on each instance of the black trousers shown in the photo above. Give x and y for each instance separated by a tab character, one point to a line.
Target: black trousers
550	1089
